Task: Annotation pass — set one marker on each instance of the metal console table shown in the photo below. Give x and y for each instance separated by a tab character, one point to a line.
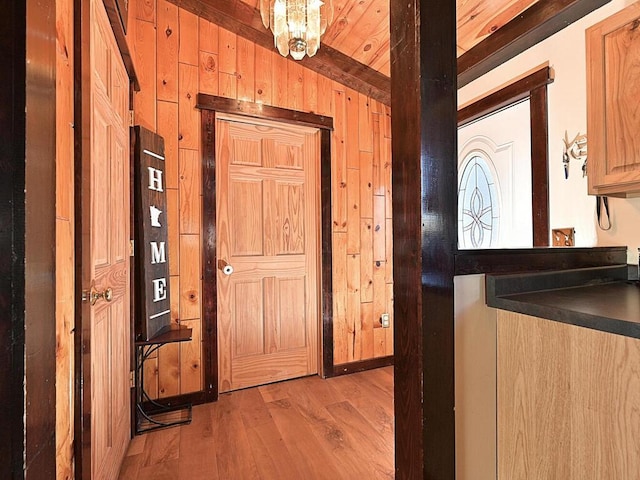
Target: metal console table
151	414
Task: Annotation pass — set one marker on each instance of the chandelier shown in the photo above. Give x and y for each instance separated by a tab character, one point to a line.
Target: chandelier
297	24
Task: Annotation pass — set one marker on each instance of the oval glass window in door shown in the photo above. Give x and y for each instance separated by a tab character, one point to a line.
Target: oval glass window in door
478	206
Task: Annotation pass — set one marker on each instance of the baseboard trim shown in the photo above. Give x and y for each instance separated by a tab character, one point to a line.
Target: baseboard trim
353	367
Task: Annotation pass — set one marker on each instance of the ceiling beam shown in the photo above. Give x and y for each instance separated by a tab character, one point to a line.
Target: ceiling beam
242	19
536	23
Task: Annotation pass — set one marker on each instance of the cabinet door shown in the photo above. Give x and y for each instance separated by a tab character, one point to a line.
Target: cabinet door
613	86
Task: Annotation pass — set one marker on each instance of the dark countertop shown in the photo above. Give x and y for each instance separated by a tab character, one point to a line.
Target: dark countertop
598	298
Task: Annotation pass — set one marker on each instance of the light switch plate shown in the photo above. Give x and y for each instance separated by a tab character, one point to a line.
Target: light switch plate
385	320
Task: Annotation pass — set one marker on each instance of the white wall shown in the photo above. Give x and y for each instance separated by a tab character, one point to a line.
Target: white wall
475	382
570	206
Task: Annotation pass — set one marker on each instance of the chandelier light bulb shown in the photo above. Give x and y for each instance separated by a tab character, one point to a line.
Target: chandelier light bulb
297	25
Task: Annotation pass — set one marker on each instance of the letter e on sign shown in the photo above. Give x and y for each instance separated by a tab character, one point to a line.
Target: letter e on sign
159	289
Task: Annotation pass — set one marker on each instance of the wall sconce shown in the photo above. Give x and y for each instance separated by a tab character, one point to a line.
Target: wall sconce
576	149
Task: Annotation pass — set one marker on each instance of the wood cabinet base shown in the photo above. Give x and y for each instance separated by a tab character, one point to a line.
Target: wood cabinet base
568	401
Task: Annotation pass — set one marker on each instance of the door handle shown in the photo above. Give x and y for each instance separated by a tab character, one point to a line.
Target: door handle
94	295
225	267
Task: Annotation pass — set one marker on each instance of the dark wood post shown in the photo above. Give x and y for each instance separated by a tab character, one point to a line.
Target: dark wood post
12	232
27	239
424	131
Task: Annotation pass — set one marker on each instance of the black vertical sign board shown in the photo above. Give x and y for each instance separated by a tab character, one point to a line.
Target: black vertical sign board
152	299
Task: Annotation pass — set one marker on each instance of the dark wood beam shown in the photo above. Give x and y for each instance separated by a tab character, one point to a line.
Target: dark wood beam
39	166
240	18
257	110
424	149
538	22
508	95
12	238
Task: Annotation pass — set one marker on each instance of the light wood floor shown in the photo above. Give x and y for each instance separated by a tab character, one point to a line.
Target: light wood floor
305	429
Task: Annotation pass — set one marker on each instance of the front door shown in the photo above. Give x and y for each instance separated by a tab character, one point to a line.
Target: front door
105	259
267	218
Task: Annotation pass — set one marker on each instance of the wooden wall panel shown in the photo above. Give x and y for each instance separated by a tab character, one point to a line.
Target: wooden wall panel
65	259
190	277
145	10
173	218
341	333
310	87
366	260
325	97
169	370
353	209
246	69
215	61
354	320
353	126
189	37
144	104
279	79
168	129
190	185
188	116
263	84
167	42
339	161
227	42
191	359
208	74
208	36
295	89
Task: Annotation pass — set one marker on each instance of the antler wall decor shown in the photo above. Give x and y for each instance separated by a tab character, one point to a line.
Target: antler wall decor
576	149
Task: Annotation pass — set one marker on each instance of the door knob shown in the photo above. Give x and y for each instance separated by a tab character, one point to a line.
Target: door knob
94	295
225	267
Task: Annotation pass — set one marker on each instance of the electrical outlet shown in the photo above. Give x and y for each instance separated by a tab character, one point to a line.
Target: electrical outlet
385	320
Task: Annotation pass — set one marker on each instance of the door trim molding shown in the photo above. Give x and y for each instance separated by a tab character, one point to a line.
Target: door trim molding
210	105
532	87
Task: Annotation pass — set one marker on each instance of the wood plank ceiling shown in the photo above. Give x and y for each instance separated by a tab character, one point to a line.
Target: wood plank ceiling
355	49
360	28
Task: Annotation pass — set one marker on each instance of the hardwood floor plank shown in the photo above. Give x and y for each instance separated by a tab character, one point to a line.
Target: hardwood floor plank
162	447
234	456
273	392
130	467
309	455
370	399
198	459
330	433
273	458
374	448
161	471
308	428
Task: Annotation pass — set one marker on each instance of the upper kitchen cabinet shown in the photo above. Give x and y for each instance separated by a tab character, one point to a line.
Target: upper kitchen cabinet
613	104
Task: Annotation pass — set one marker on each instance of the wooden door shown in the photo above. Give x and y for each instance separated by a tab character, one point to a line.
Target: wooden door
267	248
105	314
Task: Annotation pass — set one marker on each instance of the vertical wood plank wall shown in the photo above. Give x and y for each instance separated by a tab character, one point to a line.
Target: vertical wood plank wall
64	241
178	55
